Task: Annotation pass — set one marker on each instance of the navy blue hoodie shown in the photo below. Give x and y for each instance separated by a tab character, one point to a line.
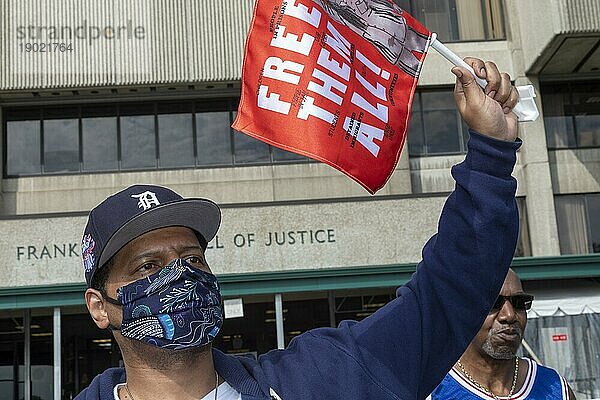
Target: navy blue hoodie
406	348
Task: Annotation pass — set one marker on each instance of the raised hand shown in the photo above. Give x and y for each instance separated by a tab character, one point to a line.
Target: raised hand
486	111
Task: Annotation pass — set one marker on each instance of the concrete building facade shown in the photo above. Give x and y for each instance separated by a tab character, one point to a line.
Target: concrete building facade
147	93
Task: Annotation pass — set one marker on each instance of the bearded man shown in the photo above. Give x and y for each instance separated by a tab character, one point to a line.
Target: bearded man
490	367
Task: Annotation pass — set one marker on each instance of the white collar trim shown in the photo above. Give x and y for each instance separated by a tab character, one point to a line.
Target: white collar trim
116	390
521	394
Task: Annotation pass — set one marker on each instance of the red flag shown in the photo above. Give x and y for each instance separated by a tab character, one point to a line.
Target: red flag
333	80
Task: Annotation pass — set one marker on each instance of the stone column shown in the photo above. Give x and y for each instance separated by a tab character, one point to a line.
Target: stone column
535	180
400	182
2	160
541	215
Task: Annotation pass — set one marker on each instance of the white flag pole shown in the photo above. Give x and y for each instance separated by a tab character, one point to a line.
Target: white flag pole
525	110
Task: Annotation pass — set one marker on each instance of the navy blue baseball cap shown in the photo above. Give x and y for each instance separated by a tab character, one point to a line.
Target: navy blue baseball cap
139	209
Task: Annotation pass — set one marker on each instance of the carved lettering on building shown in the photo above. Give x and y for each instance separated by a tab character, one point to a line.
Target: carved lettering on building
47	252
281	238
307	237
276	238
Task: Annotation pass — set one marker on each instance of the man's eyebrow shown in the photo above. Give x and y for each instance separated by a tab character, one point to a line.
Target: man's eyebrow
517	293
189	247
147	254
157	253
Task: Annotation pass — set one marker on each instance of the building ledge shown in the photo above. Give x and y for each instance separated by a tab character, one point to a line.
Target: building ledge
528	268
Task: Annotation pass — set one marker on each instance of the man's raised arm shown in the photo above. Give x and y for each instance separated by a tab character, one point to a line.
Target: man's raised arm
419	336
464	265
405	349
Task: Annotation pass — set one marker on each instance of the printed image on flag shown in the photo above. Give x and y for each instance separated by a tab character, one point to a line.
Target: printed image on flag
333	80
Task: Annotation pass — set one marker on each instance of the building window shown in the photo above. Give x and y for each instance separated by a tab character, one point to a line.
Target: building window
86	350
99	138
459	20
60	133
248	150
212	148
12	355
23	143
578	219
176	135
523	243
436	127
138	136
572	114
126	137
358	304
17	339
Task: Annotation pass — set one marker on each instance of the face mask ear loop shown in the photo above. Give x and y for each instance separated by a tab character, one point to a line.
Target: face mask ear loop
109	299
112	301
112	327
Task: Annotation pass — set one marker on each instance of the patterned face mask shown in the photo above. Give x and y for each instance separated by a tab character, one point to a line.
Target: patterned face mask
176	308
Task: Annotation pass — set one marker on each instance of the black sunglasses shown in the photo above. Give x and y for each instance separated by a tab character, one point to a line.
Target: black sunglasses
520	302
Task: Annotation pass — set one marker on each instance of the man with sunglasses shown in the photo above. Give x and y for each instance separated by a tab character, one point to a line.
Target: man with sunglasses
490	368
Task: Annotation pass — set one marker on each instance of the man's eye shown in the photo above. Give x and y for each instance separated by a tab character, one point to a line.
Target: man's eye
194	260
147	267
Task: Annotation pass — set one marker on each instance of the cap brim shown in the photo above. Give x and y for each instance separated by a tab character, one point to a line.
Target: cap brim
200	215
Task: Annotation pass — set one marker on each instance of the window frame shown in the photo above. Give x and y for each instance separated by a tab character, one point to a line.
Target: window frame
196	106
569	91
524	237
85	115
43	119
5	164
453	24
421	115
585	197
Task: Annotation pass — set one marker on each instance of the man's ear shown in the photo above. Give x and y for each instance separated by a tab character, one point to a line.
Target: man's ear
96	306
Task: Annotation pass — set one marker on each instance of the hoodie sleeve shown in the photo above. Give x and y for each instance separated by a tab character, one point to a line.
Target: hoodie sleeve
405	349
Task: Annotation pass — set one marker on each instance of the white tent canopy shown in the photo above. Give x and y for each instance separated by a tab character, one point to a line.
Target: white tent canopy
559	298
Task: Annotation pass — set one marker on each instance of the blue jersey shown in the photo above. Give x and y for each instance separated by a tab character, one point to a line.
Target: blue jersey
541	383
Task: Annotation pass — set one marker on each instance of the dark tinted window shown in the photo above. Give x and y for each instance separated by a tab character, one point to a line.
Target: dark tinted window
99	138
213	138
283	155
23	142
459	20
248	150
415	137
176	135
593	210
138	137
441	123
435	125
61	140
578	220
571	114
131	136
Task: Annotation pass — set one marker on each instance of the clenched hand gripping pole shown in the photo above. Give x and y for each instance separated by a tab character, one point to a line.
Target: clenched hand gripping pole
525	110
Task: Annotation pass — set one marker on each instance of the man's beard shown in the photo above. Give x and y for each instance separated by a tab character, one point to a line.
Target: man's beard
502	352
159	358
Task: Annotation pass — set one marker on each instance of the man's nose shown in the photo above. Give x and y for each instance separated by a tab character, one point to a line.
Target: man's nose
507	312
170	256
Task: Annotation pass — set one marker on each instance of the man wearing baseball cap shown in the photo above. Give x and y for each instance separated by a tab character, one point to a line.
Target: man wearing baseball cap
143	254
